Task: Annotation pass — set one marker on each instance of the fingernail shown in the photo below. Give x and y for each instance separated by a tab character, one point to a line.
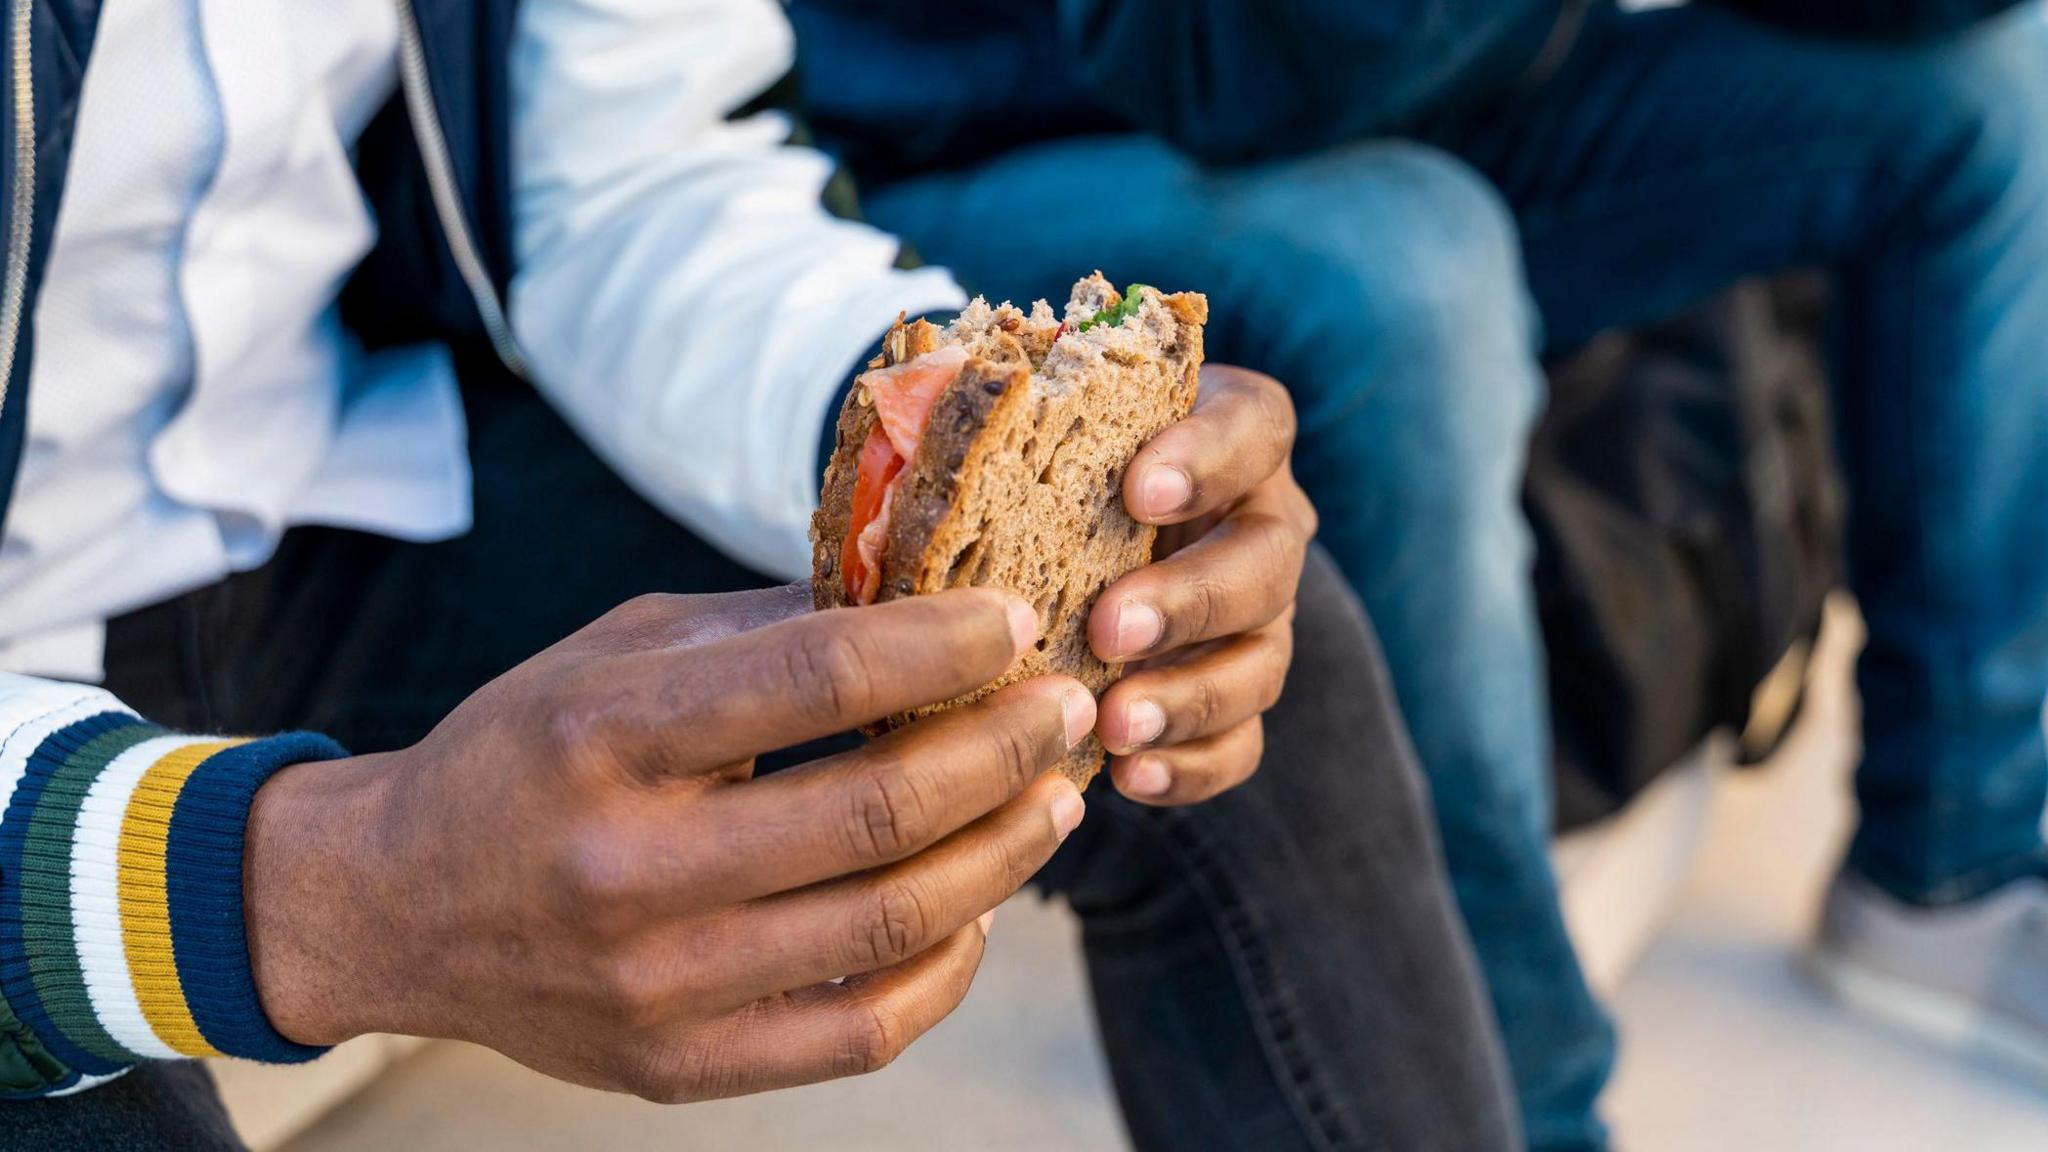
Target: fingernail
1078	708
1023	624
1067	809
1164	489
1147	777
986	920
1143	722
1138	627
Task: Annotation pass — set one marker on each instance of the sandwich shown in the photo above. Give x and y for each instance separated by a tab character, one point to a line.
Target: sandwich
991	452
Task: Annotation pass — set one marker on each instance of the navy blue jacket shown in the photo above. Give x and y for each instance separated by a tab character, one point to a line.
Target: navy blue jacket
901	85
897	86
412	285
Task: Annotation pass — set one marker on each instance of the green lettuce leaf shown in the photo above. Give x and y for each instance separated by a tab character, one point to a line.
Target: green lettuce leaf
1117	313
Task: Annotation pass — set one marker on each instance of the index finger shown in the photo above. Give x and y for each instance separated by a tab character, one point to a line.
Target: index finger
1240	432
855	811
816	675
689	620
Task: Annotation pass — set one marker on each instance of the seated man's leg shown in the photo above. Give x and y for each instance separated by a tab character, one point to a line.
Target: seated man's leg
1281	967
1303	988
1382	284
1681	149
154	1106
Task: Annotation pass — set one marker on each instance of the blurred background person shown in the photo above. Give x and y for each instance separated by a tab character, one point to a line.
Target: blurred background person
1572	168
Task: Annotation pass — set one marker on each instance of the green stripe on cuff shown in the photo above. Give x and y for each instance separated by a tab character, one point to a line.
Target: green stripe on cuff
46	913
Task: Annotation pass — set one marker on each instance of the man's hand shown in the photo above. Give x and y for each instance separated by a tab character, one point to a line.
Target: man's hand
1211	622
578	868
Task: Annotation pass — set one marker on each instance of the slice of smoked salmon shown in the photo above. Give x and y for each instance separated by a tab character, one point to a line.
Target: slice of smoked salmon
903	396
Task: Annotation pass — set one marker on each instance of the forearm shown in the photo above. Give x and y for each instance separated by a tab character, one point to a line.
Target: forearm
685	300
122	933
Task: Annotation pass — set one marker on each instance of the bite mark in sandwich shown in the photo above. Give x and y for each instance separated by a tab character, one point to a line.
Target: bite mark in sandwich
991	453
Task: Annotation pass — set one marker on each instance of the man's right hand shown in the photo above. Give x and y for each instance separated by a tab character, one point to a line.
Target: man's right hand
579	869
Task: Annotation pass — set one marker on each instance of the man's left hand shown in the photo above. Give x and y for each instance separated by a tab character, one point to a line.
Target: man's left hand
1207	626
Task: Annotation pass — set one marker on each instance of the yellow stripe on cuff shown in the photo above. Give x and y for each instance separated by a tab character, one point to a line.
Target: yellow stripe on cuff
145	908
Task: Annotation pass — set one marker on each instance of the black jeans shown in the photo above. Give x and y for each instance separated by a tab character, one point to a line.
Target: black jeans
1280	968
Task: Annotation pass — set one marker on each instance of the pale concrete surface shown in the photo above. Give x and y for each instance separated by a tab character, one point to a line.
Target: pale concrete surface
1725	1043
1726	1047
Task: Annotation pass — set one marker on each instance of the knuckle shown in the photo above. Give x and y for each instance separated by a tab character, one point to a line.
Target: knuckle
1274	681
1273	655
876	1037
703	1069
1275	410
1017	861
1277	549
588	883
648	607
570	731
893	926
1205	704
1304	510
1255	747
829	671
889	815
1022	749
654	617
661	1076
1205	602
584	724
631	994
637	1074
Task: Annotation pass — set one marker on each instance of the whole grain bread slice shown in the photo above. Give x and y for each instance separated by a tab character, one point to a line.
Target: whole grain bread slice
1018	480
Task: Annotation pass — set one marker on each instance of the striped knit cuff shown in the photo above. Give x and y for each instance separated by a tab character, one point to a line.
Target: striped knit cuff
121	932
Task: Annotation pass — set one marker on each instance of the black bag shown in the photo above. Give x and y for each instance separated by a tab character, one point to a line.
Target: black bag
1688	517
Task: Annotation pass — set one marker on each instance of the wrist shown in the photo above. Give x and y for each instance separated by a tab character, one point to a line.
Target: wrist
310	880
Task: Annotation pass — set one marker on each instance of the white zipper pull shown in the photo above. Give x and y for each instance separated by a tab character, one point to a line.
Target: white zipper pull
426	127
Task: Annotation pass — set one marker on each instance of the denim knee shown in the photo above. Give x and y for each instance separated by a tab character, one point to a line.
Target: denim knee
1975	143
1389	295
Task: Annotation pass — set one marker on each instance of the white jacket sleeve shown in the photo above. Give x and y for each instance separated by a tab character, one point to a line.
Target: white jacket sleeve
682	297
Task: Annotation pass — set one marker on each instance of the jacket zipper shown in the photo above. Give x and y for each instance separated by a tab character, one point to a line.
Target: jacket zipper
21	192
426	127
419	103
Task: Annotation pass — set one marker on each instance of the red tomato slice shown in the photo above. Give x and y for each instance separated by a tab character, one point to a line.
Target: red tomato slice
859	566
903	397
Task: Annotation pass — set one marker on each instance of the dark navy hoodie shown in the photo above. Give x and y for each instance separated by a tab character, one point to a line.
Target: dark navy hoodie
900	85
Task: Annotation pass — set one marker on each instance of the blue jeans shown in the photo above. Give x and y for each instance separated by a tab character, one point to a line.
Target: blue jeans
1398	294
1679	150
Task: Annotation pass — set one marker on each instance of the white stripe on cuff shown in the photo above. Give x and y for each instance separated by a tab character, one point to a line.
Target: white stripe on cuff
96	898
31	709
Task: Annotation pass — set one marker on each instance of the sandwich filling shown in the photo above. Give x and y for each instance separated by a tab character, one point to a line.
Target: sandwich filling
903	395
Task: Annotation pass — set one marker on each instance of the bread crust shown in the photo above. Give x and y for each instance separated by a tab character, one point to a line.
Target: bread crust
835	504
955	449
